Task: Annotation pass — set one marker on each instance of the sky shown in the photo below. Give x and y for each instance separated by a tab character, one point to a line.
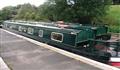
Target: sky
4	3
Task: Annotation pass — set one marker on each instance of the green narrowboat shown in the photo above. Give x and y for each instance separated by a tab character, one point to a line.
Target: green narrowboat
75	40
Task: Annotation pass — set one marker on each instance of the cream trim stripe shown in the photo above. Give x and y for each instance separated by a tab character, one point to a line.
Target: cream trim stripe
115	59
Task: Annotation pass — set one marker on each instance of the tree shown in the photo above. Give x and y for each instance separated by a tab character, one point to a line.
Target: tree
26	12
79	11
82	11
8	13
46	11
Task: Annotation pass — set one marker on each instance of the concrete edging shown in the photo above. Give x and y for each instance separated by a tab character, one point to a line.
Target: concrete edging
69	54
3	66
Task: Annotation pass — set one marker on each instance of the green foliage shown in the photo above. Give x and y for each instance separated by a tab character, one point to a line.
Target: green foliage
26	12
83	11
112	19
115	12
7	13
114	29
80	10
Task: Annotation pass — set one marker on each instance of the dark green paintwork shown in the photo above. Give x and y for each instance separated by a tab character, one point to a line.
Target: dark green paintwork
70	36
74	38
100	30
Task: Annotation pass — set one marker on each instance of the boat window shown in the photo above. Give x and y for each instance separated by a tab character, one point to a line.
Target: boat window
30	30
6	25
11	26
20	28
24	29
40	33
57	36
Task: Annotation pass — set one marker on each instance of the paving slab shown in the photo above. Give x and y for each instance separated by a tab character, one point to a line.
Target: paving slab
20	54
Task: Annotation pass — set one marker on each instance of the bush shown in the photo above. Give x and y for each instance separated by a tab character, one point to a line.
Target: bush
114	29
113	19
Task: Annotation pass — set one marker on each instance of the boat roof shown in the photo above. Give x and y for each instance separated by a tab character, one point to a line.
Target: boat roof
45	26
